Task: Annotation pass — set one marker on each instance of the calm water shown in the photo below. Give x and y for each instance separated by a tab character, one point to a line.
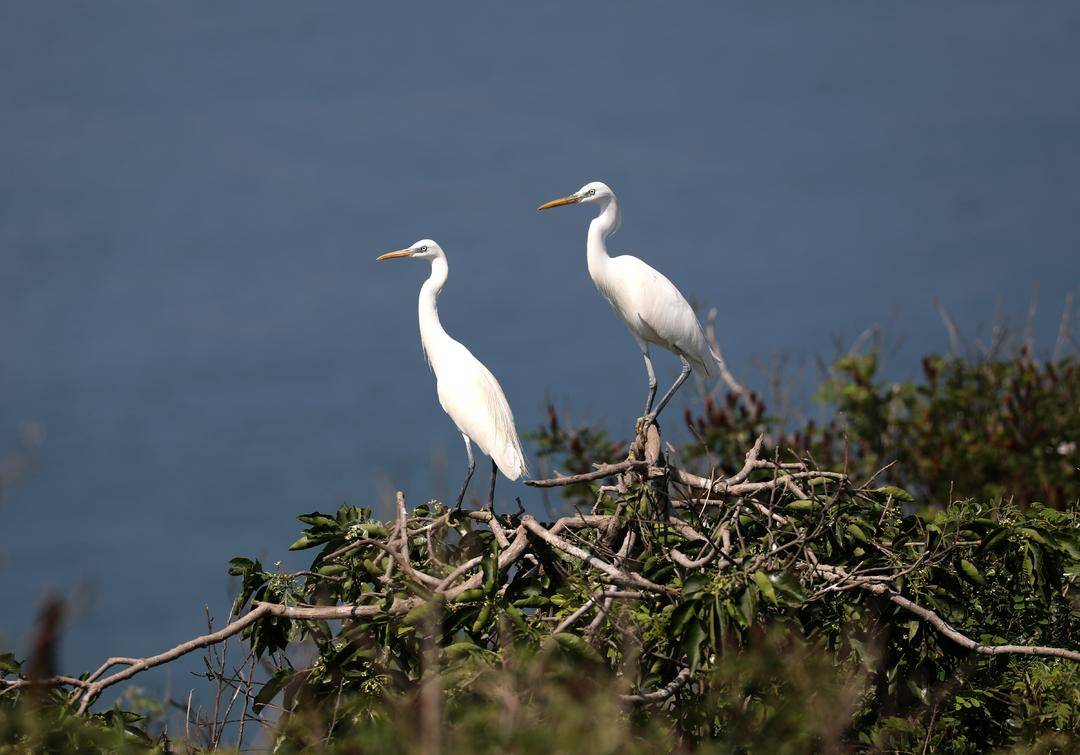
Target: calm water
191	200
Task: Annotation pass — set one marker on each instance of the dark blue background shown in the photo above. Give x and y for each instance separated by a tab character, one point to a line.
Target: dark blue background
192	197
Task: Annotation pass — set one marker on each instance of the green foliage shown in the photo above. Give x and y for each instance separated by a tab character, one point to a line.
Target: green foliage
781	659
854	668
757	618
527	702
43	721
971	428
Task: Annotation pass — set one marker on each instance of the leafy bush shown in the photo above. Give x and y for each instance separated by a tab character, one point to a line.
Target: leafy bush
767	603
778	657
972	428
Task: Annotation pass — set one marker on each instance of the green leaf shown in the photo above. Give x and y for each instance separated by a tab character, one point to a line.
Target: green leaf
308	540
532	601
576	646
517	618
370	530
856	532
482	618
270	690
992	539
318	520
463	649
971	572
469	596
867	657
695	583
683	613
490	567
747	608
691	644
240	566
8	664
920	691
901	724
761	579
418	614
1034	535
897	494
789	589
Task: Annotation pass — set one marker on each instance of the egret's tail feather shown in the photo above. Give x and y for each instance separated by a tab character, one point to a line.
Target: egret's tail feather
717	359
510	459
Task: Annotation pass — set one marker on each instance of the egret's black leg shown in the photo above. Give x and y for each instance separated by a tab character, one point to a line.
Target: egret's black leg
491	487
652	381
671	392
468	473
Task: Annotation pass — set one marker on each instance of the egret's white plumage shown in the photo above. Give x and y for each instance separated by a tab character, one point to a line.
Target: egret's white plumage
650	305
467	390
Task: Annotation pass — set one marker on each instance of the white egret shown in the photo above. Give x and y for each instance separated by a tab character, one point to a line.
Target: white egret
644	299
468	392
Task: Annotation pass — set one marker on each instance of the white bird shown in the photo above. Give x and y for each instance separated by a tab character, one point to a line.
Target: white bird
643	298
468	392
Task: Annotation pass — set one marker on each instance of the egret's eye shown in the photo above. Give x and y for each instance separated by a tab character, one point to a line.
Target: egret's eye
590	192
423	248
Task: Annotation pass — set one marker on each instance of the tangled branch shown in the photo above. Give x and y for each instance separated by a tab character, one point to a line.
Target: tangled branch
703	550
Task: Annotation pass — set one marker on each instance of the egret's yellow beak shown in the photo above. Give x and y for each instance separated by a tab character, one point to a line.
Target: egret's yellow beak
559	202
395	255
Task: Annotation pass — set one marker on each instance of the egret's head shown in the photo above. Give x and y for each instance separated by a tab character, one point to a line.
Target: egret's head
425	249
594	191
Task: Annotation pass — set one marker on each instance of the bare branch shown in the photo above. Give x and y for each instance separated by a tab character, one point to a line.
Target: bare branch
950	327
1063	327
95	689
599	595
938	623
710	333
615	574
604	470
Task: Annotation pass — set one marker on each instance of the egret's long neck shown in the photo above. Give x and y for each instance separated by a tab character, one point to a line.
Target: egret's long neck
602	226
432	335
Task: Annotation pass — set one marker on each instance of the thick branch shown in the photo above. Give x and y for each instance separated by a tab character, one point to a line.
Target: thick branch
604	470
331	613
663	693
